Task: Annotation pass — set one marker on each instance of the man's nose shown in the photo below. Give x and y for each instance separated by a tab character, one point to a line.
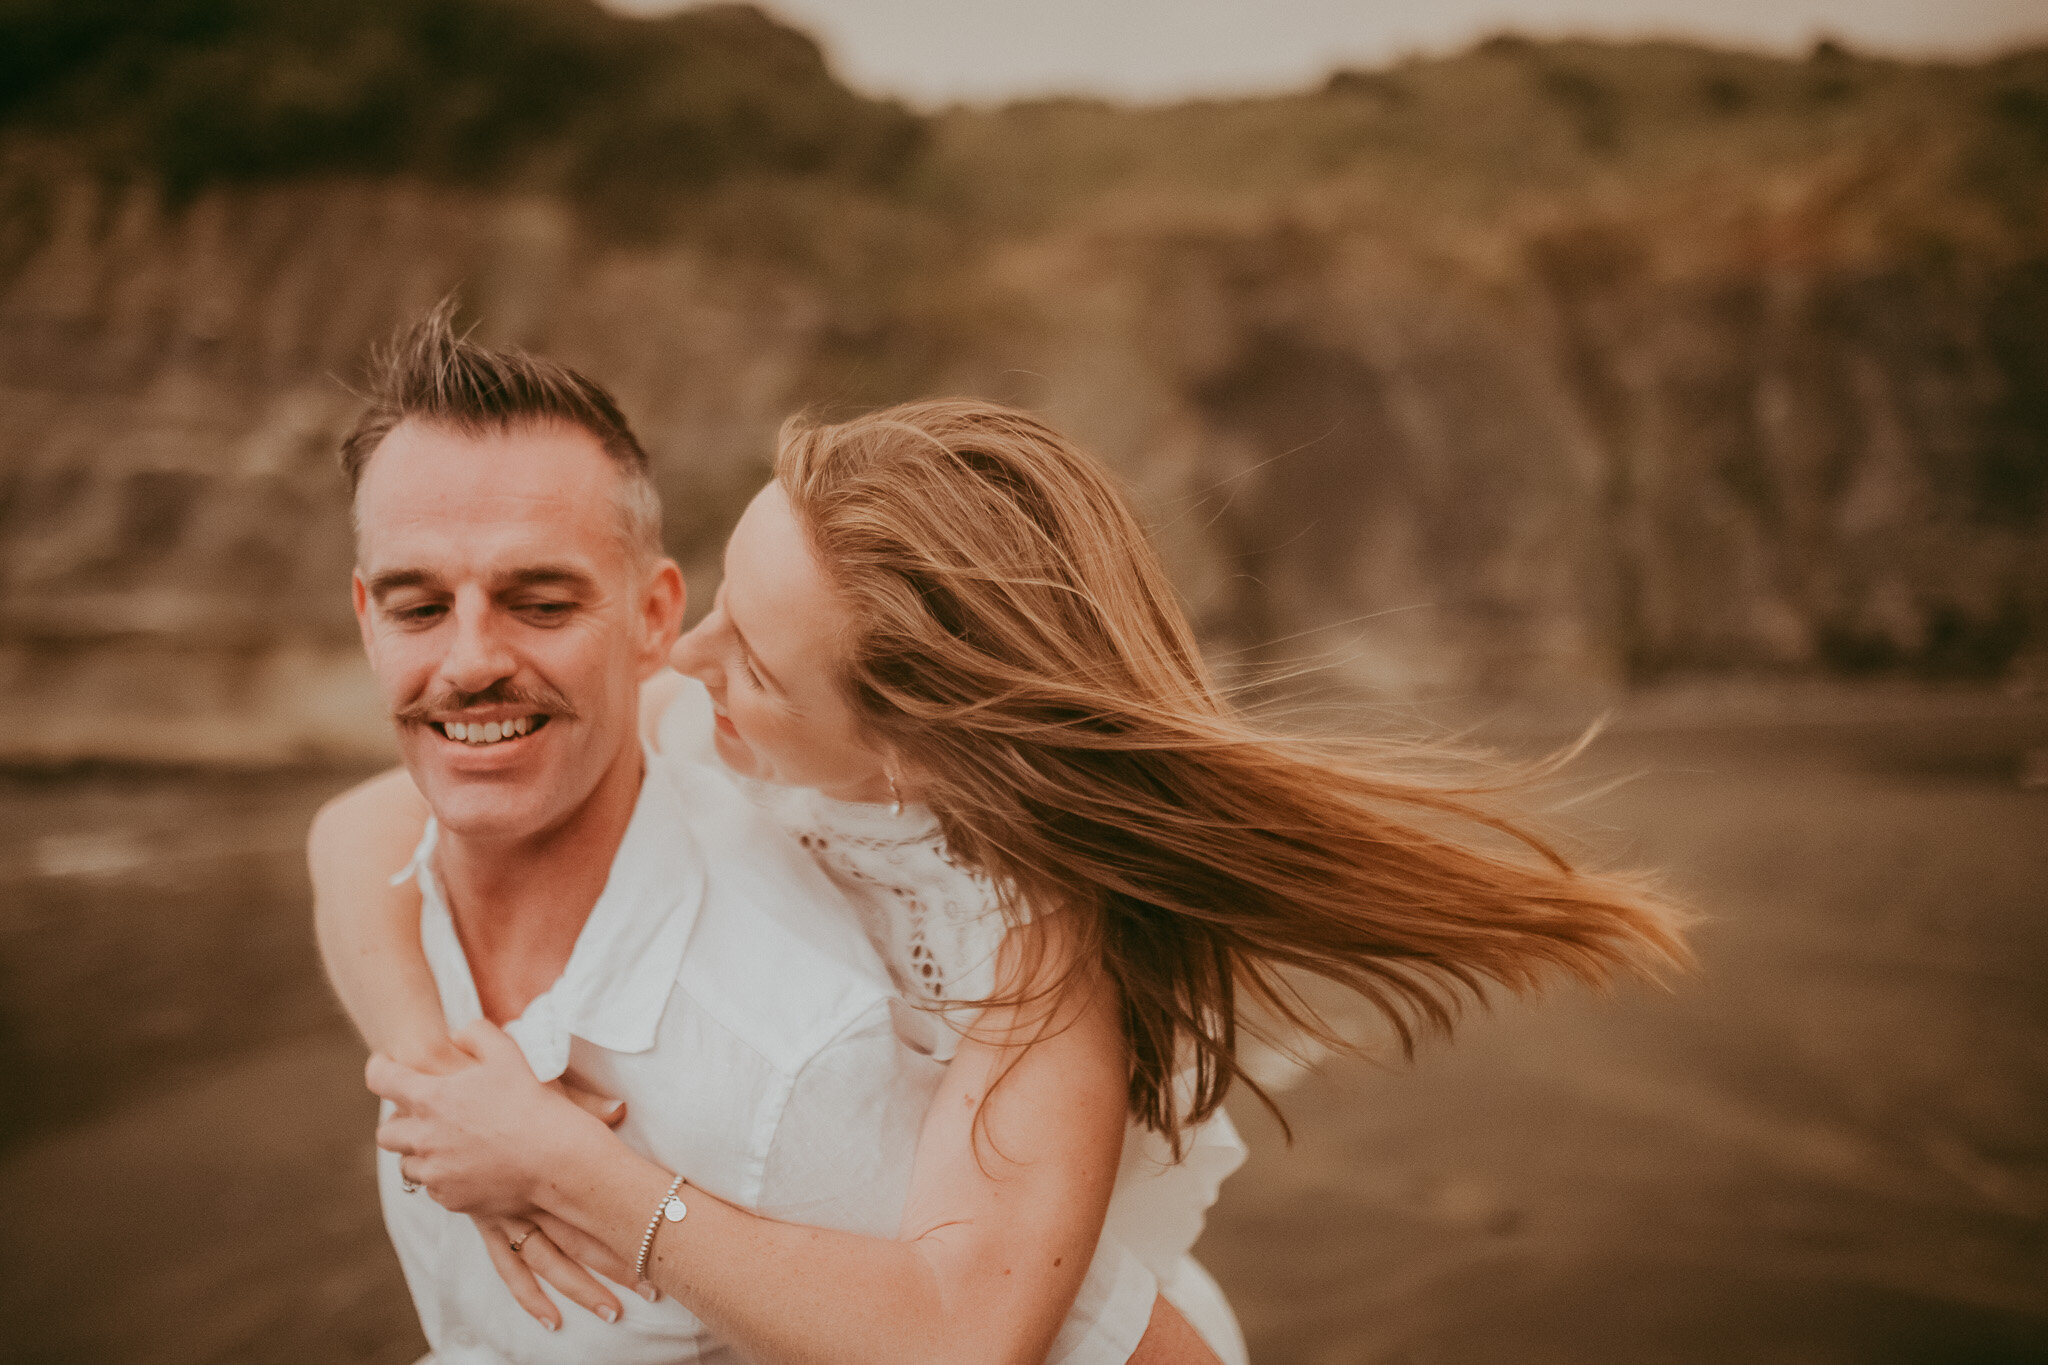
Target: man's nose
477	654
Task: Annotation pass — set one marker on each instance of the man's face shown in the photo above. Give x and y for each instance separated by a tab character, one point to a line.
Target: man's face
508	625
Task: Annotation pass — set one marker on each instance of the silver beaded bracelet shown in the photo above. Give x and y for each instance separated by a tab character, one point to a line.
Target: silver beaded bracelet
670	1209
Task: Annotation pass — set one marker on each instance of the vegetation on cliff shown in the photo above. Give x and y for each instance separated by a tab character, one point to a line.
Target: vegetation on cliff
1546	364
557	94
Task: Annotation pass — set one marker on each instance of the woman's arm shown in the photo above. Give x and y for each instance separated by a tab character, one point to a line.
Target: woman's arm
1011	1184
369	933
369	930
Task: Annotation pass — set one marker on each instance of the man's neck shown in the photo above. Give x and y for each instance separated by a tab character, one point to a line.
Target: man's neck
519	905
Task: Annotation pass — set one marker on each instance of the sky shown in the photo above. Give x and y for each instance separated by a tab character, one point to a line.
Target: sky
934	52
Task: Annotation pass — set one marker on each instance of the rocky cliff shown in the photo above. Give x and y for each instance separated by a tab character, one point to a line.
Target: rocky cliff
1548	367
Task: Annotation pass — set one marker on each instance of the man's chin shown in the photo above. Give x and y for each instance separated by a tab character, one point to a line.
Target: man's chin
492	811
478	798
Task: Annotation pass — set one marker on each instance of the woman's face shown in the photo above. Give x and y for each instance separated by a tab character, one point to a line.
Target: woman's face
769	654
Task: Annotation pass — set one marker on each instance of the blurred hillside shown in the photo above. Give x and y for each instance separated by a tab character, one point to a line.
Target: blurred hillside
1542	368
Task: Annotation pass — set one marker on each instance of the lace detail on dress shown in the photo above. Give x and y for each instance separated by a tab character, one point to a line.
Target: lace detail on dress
936	925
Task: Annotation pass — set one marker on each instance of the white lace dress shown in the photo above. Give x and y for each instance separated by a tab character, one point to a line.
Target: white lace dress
938	931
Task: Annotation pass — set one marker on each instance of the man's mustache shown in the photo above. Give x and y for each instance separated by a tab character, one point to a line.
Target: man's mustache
542	699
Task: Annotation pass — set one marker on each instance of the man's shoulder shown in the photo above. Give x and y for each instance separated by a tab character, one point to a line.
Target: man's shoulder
777	954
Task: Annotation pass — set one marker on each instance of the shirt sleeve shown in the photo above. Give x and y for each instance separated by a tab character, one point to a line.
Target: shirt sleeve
841	1153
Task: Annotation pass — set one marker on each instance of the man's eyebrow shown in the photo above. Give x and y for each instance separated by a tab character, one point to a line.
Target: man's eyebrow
391	580
534	575
548	575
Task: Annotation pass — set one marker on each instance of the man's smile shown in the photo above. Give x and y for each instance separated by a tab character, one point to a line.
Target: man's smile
476	733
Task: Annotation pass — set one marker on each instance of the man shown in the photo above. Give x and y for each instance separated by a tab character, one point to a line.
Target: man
639	929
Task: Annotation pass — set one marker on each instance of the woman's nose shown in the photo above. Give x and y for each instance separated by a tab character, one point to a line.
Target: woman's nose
691	654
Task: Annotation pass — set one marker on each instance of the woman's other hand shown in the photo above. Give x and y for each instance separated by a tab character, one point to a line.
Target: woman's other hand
478	1137
524	1254
433	1057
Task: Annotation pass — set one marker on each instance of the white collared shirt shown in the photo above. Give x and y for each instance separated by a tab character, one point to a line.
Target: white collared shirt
722	988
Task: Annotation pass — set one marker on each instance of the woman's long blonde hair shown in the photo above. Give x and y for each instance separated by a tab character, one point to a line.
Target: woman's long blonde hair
1016	645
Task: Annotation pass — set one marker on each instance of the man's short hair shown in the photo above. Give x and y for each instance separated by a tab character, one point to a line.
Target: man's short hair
430	373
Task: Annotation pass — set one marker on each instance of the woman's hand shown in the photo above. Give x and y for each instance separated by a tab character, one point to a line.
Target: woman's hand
524	1254
478	1137
458	1133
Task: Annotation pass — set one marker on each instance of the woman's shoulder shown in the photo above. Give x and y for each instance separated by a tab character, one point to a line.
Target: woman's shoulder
366	824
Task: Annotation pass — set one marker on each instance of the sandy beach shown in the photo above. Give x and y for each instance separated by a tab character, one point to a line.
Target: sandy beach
1831	1146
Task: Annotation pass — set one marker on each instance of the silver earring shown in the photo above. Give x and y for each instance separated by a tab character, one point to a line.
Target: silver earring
895	797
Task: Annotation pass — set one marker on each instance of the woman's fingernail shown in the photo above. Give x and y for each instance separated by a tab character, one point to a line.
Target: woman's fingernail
552	1324
607	1312
648	1291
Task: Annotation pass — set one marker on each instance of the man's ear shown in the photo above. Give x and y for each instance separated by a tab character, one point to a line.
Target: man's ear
662	600
359	595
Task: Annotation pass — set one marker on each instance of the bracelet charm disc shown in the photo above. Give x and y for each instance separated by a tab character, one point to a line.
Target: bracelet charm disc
670	1208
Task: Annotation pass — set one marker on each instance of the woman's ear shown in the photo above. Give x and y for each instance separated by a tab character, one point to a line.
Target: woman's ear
905	784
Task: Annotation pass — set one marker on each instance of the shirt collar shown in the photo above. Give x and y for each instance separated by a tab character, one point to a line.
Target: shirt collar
624	966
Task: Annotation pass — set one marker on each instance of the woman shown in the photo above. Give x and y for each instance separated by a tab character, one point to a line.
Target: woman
947	604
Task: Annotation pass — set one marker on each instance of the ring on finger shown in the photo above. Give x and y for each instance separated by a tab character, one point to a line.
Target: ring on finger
406	1182
520	1241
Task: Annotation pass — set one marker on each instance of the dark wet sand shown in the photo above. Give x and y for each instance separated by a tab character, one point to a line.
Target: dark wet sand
1832	1147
